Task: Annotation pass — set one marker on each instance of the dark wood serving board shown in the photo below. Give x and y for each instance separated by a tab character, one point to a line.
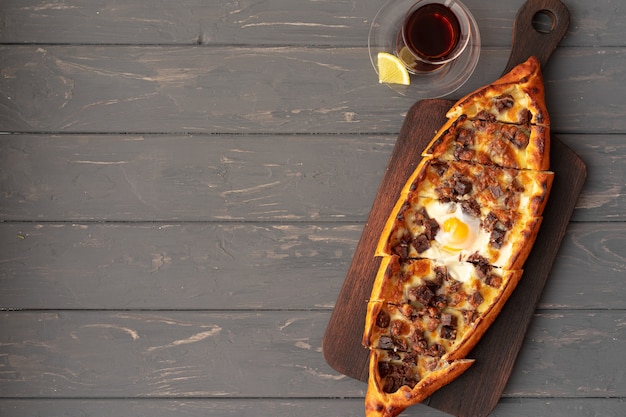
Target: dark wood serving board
478	390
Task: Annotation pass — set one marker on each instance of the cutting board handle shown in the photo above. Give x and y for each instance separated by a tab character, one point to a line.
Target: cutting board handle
530	39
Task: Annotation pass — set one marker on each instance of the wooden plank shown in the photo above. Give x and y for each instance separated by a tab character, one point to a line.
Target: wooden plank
111	89
198	178
194	265
605	189
275	22
556	344
302	407
236	177
587	268
173	266
482	385
264	354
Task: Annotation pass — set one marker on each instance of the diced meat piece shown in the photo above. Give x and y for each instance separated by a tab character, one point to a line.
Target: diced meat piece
402	250
437	350
518	186
496	192
445	193
396	328
441	274
520	140
475	299
489	222
431	227
469	316
382	319
411	380
448	332
454	285
493	280
422	295
456	298
418	341
439	167
482	269
462	153
421	243
448	319
384	368
515	135
400	344
465	137
394	377
478	259
385	342
408	311
471	207
504	102
440	301
525	116
462	186
496	239
486	116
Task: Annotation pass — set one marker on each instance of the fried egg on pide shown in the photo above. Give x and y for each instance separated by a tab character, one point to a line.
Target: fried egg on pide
459	233
457	230
451	231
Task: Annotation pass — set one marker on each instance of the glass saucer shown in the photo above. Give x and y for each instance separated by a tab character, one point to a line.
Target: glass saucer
382	38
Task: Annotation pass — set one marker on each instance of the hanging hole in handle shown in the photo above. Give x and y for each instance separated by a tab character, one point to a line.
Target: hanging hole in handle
544	21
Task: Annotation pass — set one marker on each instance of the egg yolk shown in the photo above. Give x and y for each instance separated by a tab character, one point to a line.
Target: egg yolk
456	231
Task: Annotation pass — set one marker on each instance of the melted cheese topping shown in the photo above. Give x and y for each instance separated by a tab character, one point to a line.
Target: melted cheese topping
492	143
489	186
474	236
456	240
432	312
517	102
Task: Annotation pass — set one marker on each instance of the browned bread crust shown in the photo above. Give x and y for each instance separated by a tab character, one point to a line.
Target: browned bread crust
380	404
509	98
456	240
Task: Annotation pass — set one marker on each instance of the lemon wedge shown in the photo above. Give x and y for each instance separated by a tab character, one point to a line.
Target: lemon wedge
391	70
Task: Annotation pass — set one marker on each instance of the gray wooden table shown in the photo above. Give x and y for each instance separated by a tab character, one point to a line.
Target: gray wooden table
183	184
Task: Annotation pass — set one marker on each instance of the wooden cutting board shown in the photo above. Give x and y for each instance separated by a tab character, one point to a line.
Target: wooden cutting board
479	389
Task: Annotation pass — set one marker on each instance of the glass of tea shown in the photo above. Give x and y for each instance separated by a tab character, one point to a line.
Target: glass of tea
437	40
433	33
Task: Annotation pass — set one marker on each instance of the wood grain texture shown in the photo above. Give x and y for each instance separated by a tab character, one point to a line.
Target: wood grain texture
189	177
174	266
248	354
528	40
183	185
477	390
275	22
111	89
303	407
192	265
236	177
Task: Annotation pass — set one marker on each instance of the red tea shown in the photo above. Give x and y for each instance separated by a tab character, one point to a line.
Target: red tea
432	32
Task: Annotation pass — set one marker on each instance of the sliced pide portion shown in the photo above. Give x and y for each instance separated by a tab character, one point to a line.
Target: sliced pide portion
482	185
419	343
432	283
457	231
428	332
518	97
455	242
433	309
397	380
490	142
